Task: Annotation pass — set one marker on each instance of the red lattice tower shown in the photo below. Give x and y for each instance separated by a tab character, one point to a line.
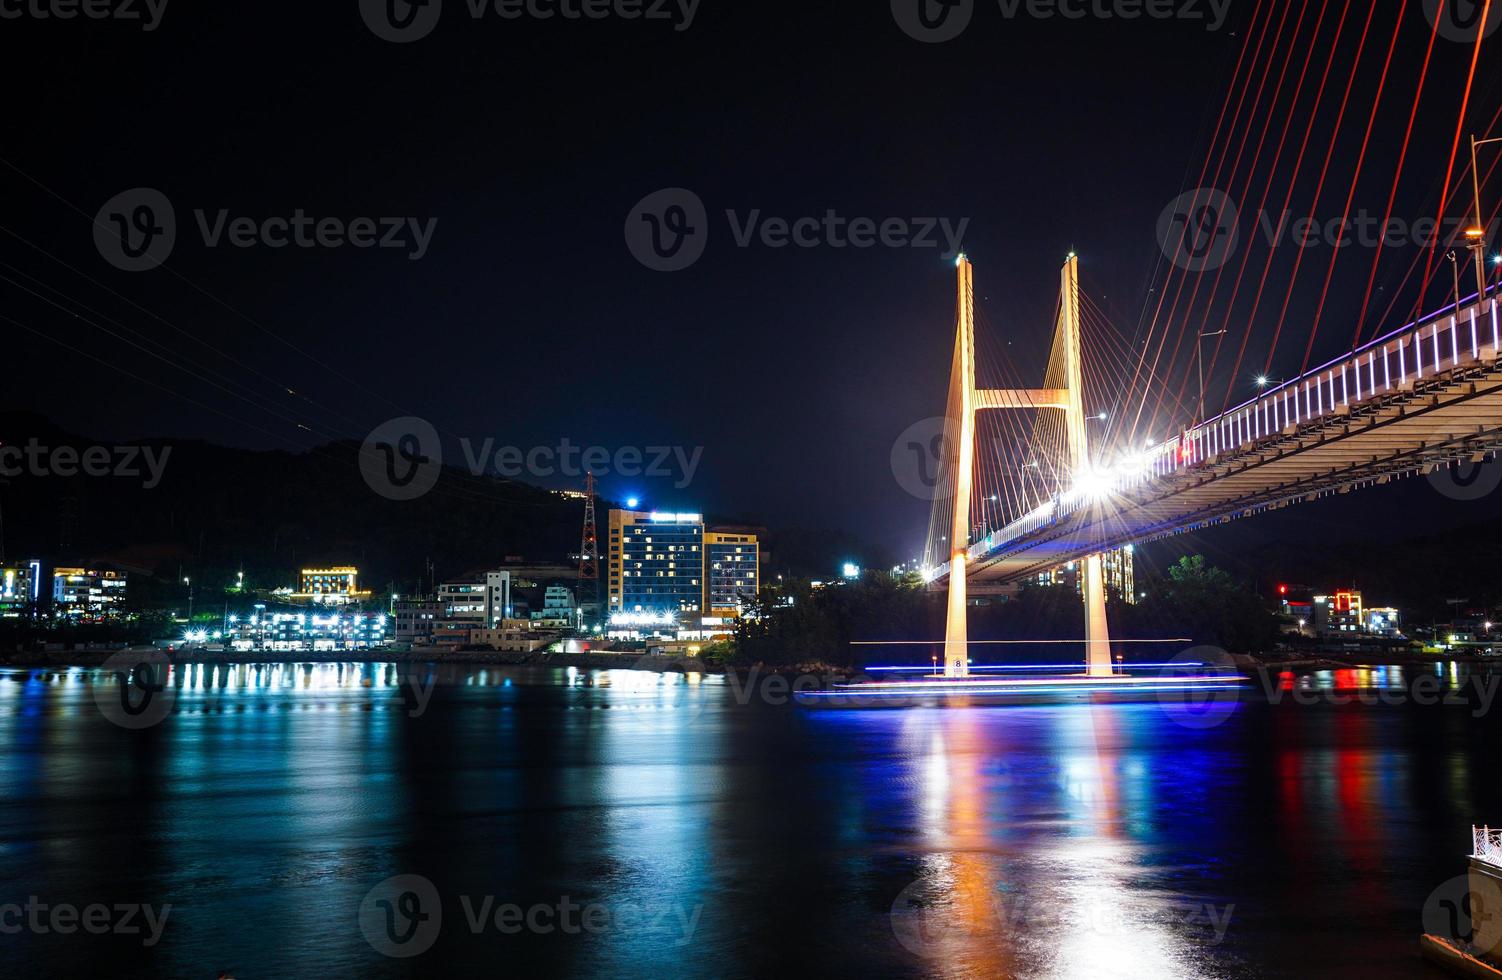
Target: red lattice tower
589	553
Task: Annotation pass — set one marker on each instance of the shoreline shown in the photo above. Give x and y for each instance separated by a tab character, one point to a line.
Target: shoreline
477	658
629	661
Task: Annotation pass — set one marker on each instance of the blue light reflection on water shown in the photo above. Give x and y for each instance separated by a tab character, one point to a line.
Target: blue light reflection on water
731	839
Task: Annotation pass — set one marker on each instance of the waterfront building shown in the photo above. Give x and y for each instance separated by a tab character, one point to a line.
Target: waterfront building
732	572
330	586
88	595
656	565
1384	621
670	574
511	638
414	620
558	610
482	601
306	632
1338	613
20	590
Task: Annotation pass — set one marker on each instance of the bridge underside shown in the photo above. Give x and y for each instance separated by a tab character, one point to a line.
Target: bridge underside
1409	430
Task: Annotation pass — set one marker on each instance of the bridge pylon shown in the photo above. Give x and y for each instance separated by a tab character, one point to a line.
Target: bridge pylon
965	400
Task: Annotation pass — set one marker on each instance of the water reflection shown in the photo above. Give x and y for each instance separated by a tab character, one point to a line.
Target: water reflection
736	839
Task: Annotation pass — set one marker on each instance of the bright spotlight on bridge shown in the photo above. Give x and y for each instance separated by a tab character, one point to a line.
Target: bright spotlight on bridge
1091	484
1262	381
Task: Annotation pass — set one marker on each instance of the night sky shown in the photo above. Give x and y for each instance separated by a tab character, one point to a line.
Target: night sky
530	141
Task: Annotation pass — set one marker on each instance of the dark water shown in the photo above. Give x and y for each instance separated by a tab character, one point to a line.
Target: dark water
658	827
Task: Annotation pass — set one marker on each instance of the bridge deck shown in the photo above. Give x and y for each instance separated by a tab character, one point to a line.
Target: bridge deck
1424	396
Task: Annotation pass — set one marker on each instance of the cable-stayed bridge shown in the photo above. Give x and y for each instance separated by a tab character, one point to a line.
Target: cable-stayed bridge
1426	395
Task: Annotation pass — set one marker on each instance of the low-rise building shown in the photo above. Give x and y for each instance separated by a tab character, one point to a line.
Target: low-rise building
511	639
306	632
334	586
20	590
558	611
415	620
88	595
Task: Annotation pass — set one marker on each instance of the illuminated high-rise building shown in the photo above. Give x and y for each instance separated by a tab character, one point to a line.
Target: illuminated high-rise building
731	572
1117	571
656	564
669	568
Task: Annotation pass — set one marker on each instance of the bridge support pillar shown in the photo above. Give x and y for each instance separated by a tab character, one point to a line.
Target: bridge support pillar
1097	630
957	628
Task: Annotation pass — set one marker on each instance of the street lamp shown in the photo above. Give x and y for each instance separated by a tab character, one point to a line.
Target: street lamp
1263	381
1455	269
189	583
1478	233
1199	357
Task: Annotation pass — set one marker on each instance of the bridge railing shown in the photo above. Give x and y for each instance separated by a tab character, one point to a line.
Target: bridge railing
1397	362
1487	845
1458	337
